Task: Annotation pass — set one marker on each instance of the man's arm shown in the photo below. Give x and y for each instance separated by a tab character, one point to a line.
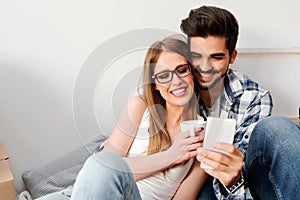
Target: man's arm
228	168
259	108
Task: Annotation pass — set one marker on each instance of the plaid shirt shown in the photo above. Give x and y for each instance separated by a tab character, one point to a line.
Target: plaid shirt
245	101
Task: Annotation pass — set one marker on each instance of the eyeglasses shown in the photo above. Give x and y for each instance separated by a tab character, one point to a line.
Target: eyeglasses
167	76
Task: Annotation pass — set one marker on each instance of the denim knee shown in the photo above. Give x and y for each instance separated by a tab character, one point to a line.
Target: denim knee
104	176
275	127
102	168
272	136
108	162
272	158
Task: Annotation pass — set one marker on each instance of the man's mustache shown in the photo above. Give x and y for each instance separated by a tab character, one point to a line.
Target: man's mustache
207	72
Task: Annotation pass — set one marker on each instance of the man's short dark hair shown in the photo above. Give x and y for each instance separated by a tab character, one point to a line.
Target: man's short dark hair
212	21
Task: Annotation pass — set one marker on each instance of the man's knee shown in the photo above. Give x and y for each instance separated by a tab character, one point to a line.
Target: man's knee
278	134
276	127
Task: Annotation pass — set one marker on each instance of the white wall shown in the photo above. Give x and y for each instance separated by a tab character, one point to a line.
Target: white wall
45	45
278	73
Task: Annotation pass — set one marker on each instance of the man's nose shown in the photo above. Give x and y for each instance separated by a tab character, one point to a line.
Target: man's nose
203	64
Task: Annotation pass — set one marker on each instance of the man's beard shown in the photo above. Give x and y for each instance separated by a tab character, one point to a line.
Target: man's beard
213	84
208	87
212	71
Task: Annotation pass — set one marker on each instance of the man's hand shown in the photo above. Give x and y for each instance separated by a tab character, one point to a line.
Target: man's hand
226	168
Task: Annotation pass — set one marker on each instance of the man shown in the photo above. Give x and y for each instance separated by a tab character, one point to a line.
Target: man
212	33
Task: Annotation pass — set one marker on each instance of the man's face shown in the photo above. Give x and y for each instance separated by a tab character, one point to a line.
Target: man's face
211	59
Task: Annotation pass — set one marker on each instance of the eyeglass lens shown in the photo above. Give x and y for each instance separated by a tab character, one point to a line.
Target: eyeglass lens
167	76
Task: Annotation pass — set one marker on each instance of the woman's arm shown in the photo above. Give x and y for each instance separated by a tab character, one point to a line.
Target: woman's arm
183	148
126	128
192	184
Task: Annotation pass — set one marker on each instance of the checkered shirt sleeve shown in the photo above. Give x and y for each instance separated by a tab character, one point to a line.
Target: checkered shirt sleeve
245	101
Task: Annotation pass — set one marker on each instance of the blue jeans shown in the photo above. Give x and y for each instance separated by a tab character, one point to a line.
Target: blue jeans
272	161
207	191
105	176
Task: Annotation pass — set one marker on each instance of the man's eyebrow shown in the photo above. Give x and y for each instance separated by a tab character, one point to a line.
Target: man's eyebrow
217	54
211	55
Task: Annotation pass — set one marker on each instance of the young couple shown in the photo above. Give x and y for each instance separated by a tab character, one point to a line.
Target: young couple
148	157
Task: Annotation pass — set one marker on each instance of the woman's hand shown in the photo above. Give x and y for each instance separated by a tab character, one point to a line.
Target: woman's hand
184	147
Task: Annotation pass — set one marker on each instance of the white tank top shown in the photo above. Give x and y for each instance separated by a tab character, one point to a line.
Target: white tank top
158	186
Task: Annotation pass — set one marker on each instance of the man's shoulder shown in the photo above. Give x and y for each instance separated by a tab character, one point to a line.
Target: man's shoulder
245	94
246	83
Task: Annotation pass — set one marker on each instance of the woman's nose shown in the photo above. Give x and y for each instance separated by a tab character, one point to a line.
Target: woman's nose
176	79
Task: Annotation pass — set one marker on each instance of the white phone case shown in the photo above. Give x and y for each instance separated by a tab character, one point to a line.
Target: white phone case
218	130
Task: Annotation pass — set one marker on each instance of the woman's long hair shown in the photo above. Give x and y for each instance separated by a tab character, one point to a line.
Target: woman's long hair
156	104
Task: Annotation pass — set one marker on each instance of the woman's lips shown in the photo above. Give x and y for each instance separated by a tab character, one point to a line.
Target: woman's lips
179	92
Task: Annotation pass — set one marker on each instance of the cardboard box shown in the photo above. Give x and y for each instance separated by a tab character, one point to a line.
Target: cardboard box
295	119
7	188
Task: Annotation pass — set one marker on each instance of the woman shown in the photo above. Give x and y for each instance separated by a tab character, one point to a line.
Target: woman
146	156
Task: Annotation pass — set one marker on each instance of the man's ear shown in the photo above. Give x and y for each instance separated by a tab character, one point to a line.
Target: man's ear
233	56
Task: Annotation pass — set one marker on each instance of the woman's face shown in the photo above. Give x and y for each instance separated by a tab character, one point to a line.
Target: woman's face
179	91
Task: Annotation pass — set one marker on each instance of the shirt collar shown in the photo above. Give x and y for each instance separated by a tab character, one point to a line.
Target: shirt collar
232	85
232	89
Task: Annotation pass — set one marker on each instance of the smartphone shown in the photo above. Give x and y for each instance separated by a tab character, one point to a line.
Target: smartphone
218	130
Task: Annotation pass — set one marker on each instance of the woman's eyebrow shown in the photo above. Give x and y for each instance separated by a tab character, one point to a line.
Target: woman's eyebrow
195	53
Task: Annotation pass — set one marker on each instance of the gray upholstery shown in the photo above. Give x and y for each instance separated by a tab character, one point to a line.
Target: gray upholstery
60	173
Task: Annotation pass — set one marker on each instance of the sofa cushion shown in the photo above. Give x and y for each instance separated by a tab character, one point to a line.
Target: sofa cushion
61	172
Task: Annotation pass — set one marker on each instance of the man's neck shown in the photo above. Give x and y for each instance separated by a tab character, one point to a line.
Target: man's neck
210	96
